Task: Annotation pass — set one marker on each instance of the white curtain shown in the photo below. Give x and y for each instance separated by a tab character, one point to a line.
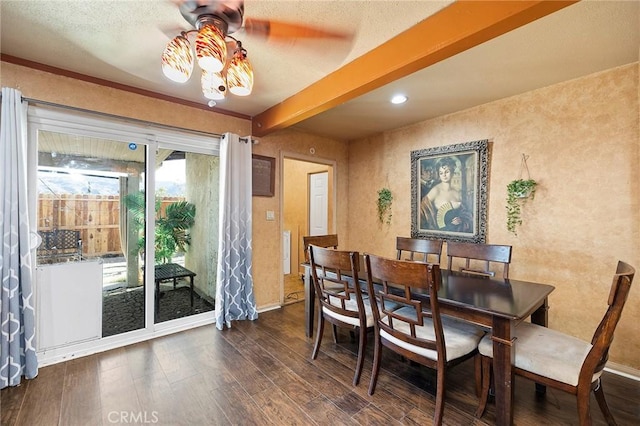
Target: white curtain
234	287
17	313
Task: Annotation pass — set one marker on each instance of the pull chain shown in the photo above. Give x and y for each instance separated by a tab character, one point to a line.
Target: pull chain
524	167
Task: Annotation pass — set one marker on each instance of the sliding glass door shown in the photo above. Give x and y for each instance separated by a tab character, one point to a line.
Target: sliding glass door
101	188
87	219
186	229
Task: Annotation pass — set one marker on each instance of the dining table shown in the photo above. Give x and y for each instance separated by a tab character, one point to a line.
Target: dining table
494	303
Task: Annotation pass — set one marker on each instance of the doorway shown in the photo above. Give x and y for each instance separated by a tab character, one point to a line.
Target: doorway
299	175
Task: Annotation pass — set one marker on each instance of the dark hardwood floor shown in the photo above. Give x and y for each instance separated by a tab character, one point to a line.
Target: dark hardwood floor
260	373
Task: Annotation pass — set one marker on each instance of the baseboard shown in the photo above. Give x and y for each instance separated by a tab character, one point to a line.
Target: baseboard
623	370
269	307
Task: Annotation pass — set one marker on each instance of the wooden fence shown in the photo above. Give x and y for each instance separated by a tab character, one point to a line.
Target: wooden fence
97	217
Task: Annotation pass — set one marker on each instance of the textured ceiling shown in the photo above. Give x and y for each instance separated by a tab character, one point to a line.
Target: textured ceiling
121	41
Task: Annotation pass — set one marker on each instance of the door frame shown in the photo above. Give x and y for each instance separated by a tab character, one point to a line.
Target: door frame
332	199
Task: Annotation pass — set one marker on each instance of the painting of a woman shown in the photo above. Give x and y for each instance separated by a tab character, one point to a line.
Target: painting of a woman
449	192
442	207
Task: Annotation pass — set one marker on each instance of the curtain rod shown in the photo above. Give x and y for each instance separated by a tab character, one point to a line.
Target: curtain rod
119	117
129	119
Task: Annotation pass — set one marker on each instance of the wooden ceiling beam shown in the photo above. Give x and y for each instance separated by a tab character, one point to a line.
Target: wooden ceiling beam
456	28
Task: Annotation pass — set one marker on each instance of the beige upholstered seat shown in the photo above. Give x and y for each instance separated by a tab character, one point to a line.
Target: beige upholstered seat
564	362
546	352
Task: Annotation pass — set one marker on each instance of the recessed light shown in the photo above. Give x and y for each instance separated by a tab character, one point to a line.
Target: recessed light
399	99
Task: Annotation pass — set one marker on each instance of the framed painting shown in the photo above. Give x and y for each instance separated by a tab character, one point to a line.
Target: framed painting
449	192
263	176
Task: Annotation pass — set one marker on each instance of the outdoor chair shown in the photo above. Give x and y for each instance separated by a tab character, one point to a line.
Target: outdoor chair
59	245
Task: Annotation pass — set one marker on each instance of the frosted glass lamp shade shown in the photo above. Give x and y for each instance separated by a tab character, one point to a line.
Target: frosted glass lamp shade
211	49
177	60
240	74
213	85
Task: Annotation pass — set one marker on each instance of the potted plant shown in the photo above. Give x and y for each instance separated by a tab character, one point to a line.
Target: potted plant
172	228
385	199
518	191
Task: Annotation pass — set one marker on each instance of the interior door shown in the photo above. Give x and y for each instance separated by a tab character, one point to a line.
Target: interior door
318	203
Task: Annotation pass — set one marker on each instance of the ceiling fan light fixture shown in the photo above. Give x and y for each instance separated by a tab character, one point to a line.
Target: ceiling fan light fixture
177	60
213	85
211	48
240	73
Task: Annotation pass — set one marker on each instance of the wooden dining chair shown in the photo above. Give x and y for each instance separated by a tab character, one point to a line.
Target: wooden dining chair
418	249
335	276
564	362
414	328
330	240
478	258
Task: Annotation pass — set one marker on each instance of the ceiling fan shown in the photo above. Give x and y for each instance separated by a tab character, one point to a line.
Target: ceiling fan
213	22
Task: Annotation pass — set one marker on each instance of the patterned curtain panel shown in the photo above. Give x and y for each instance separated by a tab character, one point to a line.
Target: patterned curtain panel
234	289
17	319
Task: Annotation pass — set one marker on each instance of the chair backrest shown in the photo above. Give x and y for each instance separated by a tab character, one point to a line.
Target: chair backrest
420	247
60	245
335	278
603	336
330	240
392	281
478	257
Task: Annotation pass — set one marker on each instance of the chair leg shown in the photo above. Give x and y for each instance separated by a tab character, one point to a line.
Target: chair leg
362	344
477	364
584	415
440	393
319	333
335	333
375	369
486	382
602	403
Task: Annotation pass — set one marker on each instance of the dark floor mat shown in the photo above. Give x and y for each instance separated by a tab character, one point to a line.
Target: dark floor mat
123	311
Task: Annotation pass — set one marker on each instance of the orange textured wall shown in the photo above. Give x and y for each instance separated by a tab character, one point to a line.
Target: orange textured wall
582	139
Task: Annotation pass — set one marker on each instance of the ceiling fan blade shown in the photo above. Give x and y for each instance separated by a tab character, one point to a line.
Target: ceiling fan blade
286	30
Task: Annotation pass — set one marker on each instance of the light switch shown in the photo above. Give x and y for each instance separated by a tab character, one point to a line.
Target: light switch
271	215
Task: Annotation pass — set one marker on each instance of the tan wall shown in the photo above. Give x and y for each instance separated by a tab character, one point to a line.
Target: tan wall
267	235
582	139
67	91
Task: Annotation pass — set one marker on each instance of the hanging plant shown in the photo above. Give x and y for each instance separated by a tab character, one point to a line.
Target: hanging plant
385	198
518	191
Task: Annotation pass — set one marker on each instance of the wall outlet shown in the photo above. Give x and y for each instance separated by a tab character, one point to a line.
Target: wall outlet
271	215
